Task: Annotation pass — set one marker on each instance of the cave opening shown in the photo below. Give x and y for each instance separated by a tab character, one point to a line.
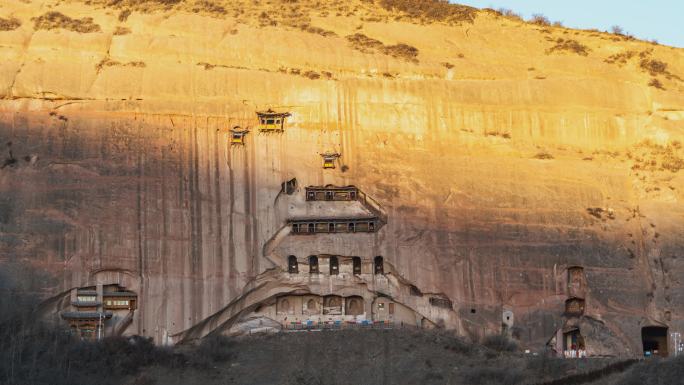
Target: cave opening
654	340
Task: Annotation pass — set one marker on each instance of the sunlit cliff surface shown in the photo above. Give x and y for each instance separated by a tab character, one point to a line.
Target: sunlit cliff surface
503	153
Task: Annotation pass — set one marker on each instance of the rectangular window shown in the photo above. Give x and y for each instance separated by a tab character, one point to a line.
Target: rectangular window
391	308
87	298
269	121
381	306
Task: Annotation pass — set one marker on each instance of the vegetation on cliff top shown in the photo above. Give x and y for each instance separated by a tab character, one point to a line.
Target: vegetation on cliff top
434	10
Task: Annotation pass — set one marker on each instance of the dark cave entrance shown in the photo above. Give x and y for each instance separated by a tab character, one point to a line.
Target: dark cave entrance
654	339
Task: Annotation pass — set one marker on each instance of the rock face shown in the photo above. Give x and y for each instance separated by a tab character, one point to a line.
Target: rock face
503	155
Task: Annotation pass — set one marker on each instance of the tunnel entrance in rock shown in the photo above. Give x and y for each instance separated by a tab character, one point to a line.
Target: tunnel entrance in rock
654	339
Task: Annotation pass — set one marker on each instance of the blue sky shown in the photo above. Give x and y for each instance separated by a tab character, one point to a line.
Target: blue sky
662	20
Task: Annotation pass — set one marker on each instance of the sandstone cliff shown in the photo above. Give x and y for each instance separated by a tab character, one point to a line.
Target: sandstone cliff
502	152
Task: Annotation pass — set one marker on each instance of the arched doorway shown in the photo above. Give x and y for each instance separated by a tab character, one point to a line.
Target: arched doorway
313	264
654	339
379	265
292	265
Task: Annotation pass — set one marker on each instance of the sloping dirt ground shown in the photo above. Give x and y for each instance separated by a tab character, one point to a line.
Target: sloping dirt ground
370	357
30	356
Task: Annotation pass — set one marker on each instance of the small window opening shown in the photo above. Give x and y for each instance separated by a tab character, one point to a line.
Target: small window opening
331	227
329	195
311	227
295	228
379	265
371	226
472	311
351	227
356	261
313	264
292	266
334	266
352	195
311	196
391	307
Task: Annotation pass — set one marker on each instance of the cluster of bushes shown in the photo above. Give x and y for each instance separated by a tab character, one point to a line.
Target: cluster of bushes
209	7
9	24
57	20
621	58
500	343
433	10
142	5
649	156
569	45
367	44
